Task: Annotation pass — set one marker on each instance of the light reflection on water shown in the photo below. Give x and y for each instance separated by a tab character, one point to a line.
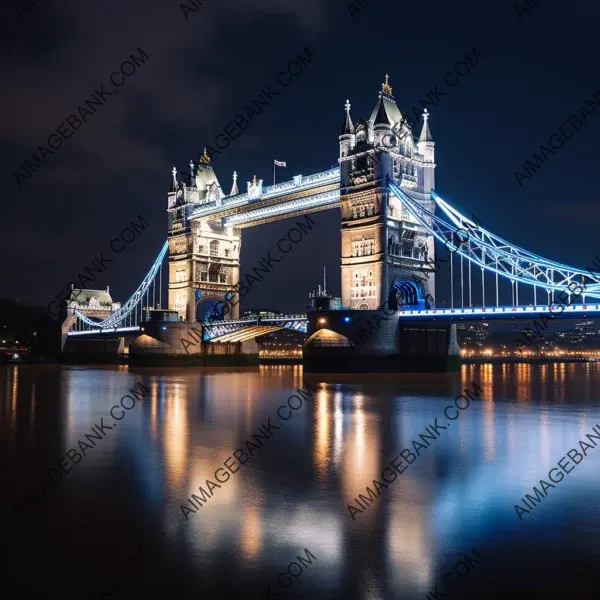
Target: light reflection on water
294	493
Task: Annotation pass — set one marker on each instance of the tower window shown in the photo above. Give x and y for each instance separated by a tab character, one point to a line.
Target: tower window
214	248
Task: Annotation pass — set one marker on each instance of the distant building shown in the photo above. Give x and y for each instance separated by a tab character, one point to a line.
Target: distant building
583	334
472	334
261	312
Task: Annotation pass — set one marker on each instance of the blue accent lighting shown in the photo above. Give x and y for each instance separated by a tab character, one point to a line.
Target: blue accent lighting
347	319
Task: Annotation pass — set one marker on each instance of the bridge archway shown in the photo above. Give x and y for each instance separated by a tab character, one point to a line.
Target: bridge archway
328	338
410	293
211	309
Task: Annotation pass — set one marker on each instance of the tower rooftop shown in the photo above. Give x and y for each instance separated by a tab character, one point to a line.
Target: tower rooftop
386	103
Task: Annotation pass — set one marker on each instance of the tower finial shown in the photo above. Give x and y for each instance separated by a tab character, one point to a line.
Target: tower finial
425	114
174	171
347	106
254	182
234	188
385	87
205	158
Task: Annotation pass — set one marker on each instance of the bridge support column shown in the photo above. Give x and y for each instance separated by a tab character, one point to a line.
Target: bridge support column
250	347
453	350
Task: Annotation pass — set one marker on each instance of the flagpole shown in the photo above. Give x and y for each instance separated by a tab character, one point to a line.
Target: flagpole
273	171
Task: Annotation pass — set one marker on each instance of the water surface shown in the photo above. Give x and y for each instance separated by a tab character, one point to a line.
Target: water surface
458	495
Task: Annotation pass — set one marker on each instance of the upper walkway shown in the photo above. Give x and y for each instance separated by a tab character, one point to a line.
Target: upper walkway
298	196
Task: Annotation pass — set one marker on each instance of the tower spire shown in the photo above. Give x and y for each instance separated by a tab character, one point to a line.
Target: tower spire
348	126
174	171
425	132
192	181
234	187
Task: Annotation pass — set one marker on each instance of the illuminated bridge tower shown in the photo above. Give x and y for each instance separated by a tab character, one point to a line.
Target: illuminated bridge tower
385	252
203	255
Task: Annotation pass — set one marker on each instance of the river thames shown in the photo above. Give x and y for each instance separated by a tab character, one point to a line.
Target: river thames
286	495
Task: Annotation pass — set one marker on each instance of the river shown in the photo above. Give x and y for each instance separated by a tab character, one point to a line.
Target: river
115	517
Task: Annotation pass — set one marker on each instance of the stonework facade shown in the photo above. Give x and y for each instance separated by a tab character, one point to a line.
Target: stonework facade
203	255
382	244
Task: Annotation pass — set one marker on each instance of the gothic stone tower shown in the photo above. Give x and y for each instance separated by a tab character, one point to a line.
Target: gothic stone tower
386	254
203	255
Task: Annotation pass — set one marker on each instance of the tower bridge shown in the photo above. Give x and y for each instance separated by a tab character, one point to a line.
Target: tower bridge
392	219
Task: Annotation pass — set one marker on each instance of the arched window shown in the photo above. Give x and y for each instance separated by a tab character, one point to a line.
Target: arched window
214	248
408	243
370	210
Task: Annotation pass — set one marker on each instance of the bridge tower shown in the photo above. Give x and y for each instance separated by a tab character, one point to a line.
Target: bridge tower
386	255
203	255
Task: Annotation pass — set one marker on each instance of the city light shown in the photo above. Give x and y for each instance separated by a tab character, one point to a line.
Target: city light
552	353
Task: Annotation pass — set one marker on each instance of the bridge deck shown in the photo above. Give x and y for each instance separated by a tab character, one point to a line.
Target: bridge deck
242	329
503	312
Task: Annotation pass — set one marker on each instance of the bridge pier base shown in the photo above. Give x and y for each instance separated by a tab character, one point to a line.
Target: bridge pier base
369	341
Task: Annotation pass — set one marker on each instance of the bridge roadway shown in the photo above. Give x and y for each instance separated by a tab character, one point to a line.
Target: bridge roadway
245	329
487	313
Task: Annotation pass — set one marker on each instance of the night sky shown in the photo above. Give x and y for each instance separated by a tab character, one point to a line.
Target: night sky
538	68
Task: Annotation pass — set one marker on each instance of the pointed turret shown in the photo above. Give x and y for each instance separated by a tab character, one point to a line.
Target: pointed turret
192	181
234	188
348	126
347	137
425	132
426	148
173	187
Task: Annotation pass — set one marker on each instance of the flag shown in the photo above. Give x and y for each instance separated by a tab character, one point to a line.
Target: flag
280	163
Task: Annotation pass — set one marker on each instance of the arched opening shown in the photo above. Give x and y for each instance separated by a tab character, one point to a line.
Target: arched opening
209	310
327	338
409	293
